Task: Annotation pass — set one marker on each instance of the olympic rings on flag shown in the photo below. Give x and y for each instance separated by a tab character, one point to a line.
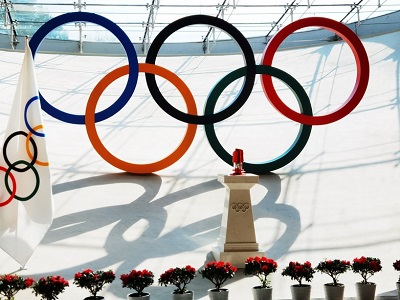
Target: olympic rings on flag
295	148
248	54
305	117
362	63
123	165
47	27
14	183
29	165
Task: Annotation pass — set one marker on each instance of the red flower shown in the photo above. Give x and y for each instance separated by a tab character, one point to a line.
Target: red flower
137	280
260	267
307	264
366	267
93	281
298	271
179	277
10	285
50	287
218	272
29	282
333	268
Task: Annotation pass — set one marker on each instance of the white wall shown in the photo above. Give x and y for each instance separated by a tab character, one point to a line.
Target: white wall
338	199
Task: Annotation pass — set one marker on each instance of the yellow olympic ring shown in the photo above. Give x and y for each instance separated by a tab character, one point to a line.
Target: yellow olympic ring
28	150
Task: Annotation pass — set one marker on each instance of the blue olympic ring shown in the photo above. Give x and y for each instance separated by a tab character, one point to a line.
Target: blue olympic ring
40	134
47	27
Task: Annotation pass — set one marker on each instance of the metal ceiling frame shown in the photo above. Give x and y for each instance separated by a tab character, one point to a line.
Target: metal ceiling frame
9	22
288	10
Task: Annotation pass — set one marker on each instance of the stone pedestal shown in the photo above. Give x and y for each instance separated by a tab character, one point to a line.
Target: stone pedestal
237	239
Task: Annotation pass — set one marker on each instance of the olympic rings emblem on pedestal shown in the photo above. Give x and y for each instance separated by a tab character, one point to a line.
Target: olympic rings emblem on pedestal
240	207
305	118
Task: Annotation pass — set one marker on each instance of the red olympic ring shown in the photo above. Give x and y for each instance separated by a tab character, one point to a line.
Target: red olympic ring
14	191
362	63
123	165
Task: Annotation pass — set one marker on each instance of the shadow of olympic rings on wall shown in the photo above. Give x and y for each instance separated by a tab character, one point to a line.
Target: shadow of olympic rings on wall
151	244
286	214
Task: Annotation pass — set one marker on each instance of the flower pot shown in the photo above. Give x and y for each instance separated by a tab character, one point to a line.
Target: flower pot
398	289
334	292
142	296
221	294
365	291
301	292
94	298
260	293
187	296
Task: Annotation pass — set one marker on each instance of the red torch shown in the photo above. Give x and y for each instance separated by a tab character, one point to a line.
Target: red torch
237	160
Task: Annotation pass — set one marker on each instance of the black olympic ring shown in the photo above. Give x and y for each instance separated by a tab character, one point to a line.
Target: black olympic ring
247	85
35	152
30	166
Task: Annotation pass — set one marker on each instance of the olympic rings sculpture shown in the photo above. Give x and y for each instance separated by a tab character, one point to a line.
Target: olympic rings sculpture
29	165
249	71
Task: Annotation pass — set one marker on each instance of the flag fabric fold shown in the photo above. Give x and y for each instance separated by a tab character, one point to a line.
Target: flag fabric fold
26	201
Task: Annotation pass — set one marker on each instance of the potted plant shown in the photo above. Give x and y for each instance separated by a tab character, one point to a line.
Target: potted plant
138	280
261	267
93	281
396	266
180	278
333	268
299	272
366	267
11	284
218	273
50	287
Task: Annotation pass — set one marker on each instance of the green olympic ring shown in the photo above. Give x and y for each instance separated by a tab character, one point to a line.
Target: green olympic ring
36	175
302	136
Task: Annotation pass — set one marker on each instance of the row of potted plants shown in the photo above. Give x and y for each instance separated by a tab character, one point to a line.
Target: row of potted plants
300	272
48	288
